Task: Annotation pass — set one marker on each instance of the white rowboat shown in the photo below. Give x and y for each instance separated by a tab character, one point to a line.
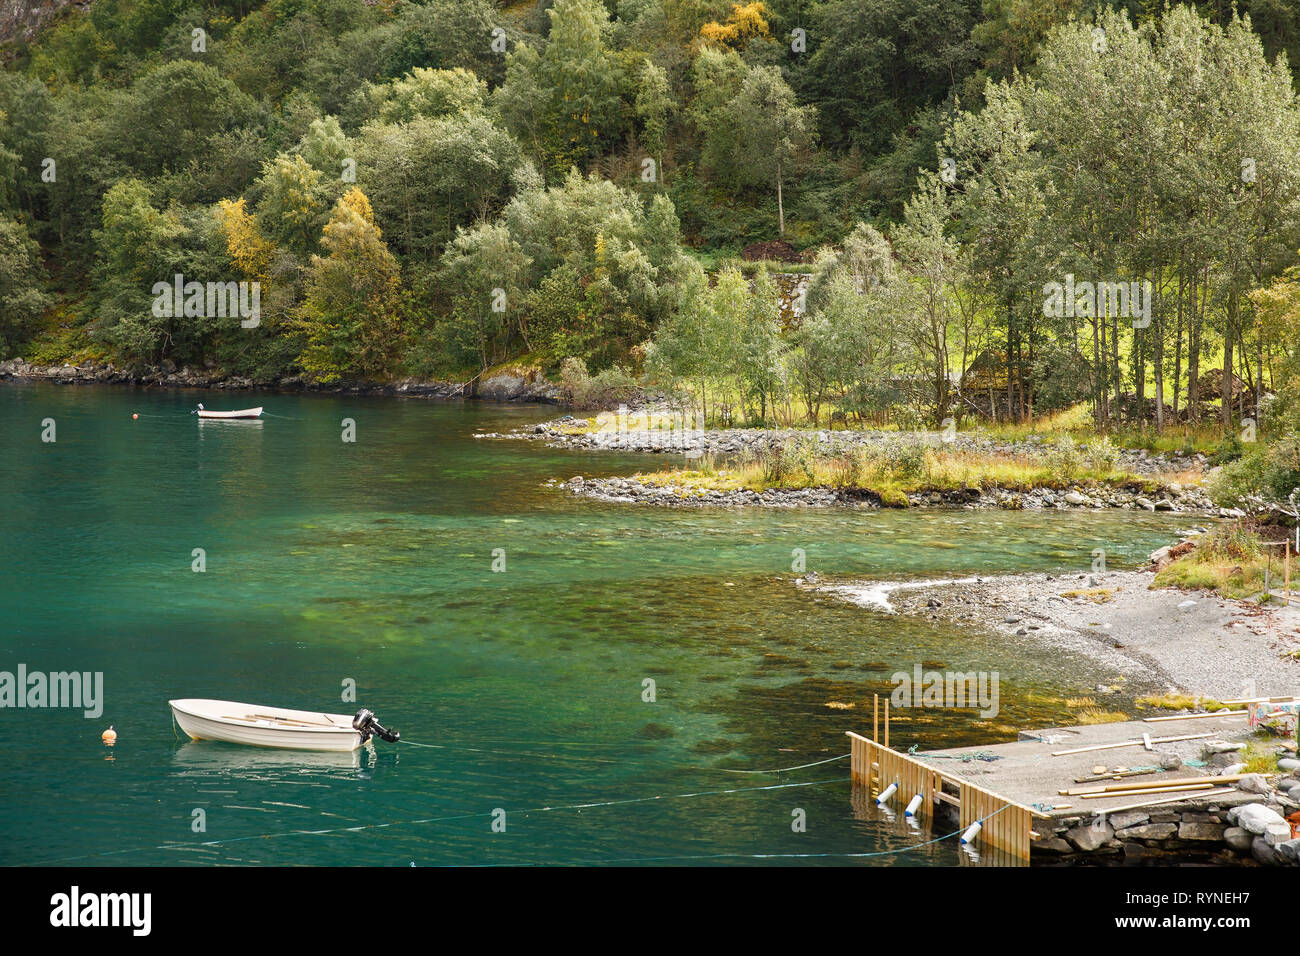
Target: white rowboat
241	413
260	726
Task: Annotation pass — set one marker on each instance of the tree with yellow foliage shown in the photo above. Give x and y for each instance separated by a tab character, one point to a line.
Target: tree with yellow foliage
350	316
250	253
745	23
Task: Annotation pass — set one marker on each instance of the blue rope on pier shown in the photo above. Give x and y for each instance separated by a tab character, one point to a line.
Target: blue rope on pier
964	758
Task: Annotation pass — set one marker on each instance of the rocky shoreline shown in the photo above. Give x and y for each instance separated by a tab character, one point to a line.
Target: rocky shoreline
503	386
1190	642
1190	501
607	433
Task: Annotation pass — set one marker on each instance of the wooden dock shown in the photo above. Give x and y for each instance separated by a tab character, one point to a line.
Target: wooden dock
1010	785
1005	824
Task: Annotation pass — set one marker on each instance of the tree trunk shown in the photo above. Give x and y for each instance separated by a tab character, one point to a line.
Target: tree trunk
1227	366
1117	371
780	205
1194	353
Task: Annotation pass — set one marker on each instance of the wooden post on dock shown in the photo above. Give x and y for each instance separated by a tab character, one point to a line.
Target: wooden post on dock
886	721
875	716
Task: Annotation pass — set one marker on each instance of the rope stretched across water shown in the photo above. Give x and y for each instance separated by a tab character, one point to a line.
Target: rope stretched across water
764	856
528	753
511	753
549	809
801	766
457	816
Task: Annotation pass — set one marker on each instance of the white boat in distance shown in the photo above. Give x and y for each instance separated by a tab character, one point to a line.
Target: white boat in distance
240	413
260	726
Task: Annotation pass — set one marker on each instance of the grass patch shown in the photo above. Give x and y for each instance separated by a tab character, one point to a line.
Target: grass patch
1233	561
1260	755
1099	715
1077	423
1180	702
893	470
1095	595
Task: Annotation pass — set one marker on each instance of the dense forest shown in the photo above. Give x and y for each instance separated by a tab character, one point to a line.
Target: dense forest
999	209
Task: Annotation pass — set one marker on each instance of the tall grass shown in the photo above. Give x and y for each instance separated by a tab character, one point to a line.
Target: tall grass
1232	560
897	468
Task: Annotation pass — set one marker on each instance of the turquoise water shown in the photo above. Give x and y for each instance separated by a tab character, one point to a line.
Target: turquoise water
372	562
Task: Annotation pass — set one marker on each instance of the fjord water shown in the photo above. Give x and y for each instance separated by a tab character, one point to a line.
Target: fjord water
329	562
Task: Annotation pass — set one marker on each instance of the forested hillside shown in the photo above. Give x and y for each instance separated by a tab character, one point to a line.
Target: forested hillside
1001	208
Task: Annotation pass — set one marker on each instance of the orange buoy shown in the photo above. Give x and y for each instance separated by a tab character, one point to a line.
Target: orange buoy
134	415
109	736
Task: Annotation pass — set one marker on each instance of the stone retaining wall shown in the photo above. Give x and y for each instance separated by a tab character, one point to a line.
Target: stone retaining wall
1223	832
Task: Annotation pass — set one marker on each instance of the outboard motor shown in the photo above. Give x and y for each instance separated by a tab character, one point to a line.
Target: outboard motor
367	725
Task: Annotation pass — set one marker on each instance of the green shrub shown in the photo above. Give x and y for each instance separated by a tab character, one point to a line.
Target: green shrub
845	471
905	460
789	458
1237	542
1271	472
606	389
1065	460
1102	453
1228	450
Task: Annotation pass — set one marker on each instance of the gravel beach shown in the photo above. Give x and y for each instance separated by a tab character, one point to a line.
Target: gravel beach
1193	642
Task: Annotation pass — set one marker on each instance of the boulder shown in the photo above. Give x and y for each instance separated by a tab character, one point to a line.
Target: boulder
1254	783
1256	817
1238	838
1277	833
1092	837
1264	853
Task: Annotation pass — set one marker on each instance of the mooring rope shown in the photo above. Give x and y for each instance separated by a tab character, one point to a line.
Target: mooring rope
529	753
165	419
512	753
458	816
760	856
548	809
778	769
